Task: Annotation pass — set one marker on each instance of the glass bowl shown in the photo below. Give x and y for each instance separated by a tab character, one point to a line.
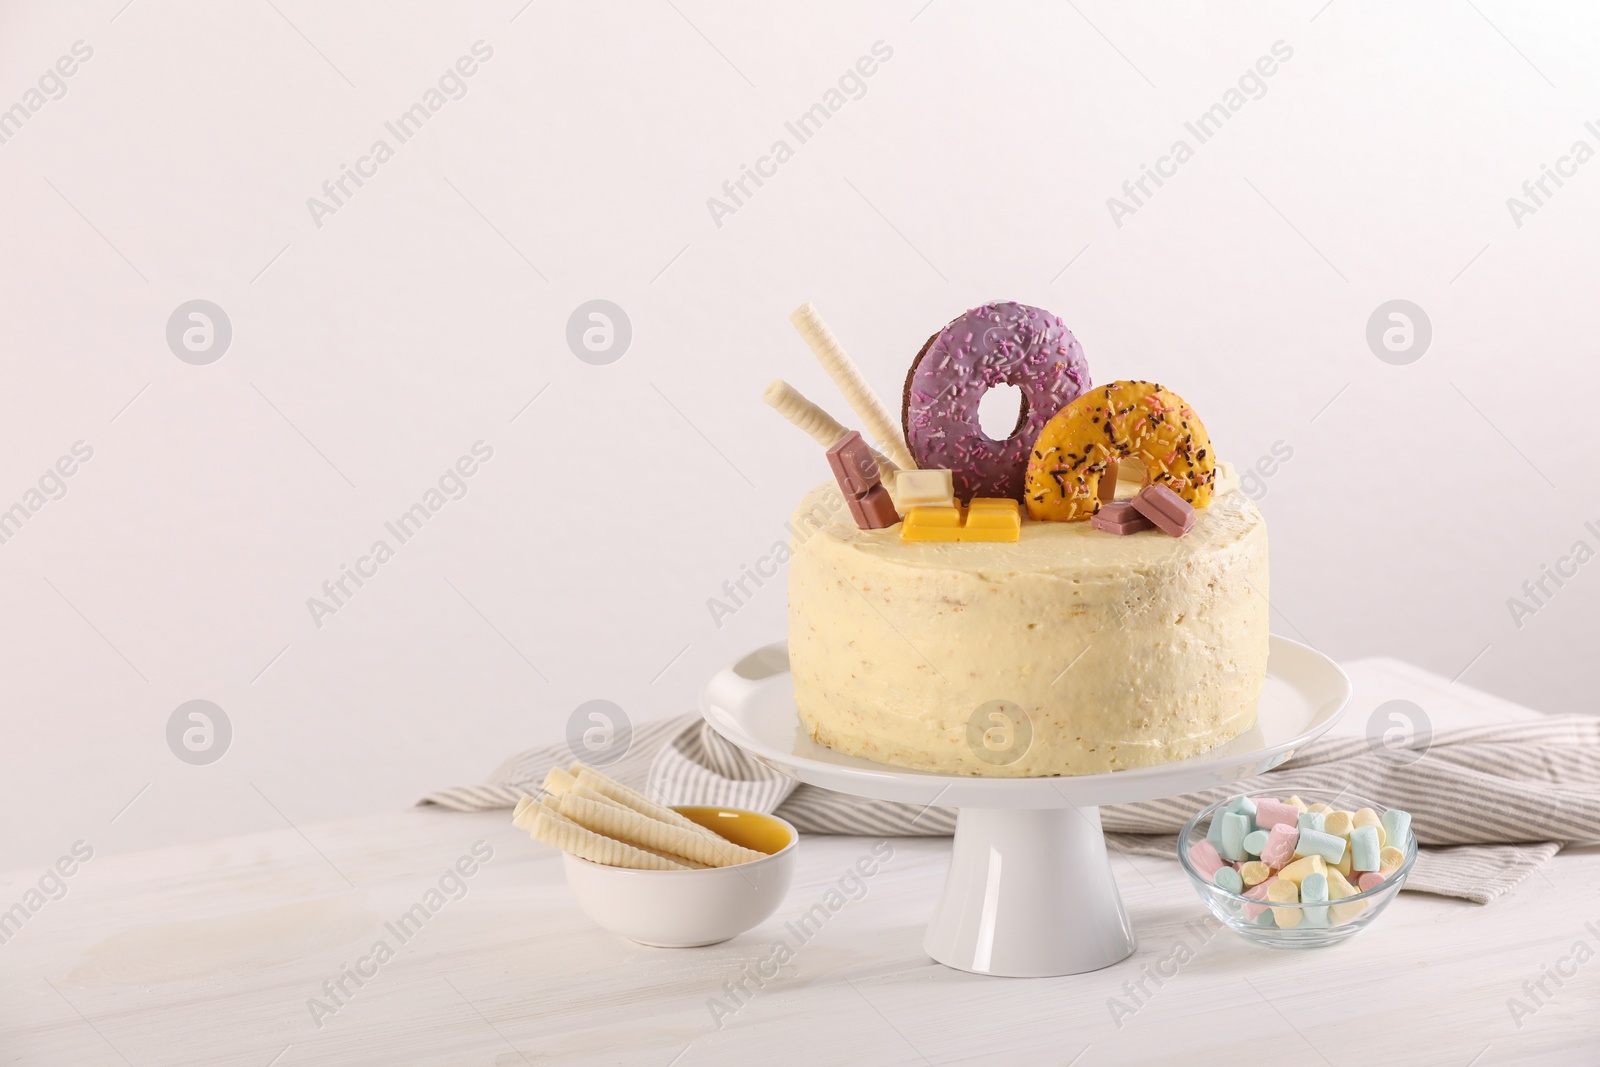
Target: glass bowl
1257	921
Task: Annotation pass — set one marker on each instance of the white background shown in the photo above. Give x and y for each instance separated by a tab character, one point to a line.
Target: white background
372	351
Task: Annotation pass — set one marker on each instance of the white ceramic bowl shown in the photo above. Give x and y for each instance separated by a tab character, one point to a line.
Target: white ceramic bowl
684	909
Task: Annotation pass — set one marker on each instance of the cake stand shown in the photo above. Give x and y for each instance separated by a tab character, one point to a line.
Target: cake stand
1030	891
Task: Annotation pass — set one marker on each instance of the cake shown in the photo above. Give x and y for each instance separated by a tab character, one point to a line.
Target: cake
1119	621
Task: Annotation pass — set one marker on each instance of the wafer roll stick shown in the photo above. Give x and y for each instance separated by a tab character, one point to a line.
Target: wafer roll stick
526	811
693	865
583	791
586	844
530	808
636	829
630	798
822	428
557	781
875	417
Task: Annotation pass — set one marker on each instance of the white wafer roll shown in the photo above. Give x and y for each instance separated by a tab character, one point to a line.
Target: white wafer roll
636	829
528	809
615	790
875	418
822	428
557	781
585	844
685	861
588	794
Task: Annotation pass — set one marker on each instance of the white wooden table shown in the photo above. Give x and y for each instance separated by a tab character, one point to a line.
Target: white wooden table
209	955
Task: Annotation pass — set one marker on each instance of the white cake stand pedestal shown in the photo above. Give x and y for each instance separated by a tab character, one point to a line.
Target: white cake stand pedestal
1030	891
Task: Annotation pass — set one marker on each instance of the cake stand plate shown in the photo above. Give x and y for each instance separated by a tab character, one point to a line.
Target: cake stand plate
1030	891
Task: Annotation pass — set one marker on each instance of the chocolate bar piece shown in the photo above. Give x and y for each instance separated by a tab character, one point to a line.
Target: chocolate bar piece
857	473
924	488
1119	517
992	519
874	509
1170	512
985	519
1108	482
853	464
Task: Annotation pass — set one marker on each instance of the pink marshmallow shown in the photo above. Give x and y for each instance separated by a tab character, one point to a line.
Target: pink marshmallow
1270	813
1370	880
1257	893
1279	849
1203	854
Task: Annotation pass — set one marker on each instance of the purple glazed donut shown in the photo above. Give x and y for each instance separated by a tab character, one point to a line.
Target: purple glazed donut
996	344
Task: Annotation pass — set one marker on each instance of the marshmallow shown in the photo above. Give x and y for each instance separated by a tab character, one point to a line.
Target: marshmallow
1259	892
1338	889
1371	880
1364	848
1338	823
1234	828
1312	864
1279	848
1270	813
1282	891
1317	843
1314	890
1311	820
1390	859
1298	804
1254	842
1342	865
1396	826
1204	857
1254	873
1228	878
1368	817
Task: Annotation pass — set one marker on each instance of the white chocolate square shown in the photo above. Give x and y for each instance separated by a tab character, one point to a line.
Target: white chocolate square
923	488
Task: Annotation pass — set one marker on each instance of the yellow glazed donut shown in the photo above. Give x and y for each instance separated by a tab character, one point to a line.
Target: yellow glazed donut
1112	422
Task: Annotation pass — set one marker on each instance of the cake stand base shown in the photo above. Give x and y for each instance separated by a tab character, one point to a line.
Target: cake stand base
1030	891
1020	886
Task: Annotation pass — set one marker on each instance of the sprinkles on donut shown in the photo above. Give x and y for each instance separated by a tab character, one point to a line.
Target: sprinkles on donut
1085	439
996	344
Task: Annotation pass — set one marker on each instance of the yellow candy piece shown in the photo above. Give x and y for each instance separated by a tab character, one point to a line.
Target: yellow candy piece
1254	873
1390	859
1084	440
1320	809
1368	817
1297	804
1339	823
985	519
992	519
1301	867
934	523
1283	892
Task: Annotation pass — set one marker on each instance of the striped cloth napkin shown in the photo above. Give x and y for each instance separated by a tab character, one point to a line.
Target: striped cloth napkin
1489	804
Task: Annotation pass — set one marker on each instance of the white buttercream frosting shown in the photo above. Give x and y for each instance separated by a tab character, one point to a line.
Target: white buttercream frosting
1120	651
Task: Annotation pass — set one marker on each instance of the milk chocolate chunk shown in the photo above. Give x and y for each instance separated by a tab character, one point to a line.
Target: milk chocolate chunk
1107	488
874	509
1167	510
1119	518
853	464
